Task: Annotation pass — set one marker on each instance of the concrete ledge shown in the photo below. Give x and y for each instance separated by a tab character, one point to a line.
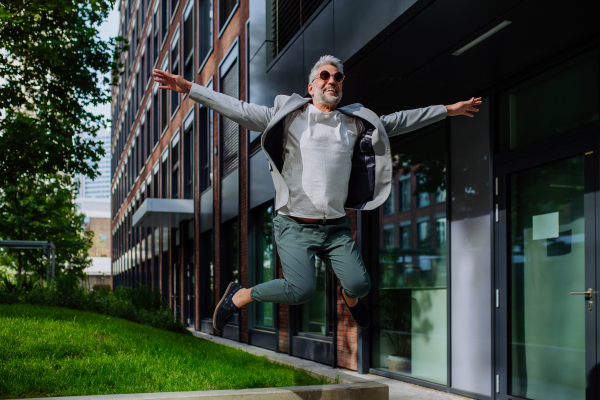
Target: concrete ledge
349	391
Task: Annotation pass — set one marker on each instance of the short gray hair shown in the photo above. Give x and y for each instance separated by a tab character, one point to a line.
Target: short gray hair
325	60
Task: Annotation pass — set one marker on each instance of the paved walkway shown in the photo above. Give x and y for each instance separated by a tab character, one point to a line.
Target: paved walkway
398	390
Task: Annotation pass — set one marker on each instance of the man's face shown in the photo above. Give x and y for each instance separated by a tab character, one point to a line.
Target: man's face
327	92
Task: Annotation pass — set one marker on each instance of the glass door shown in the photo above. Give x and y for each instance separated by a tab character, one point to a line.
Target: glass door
546	292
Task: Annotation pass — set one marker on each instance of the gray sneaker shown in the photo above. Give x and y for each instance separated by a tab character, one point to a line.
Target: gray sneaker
226	309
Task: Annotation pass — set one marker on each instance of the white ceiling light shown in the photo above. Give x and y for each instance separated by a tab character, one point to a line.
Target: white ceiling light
481	38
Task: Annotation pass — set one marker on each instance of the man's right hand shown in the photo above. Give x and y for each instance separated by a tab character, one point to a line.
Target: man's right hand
172	82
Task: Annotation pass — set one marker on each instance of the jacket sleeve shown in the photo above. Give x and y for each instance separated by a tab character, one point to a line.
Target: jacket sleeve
410	120
250	116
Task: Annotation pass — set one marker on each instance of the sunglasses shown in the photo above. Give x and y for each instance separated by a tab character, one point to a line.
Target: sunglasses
325	75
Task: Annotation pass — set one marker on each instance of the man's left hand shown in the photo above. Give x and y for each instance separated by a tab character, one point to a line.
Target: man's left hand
463	107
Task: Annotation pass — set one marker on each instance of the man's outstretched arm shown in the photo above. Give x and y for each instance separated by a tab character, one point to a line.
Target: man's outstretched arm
250	116
410	120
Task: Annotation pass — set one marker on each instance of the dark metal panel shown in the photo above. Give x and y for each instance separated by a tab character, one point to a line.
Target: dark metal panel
261	184
286	76
231	332
229	196
206	326
265	339
318	39
312	349
258	22
357	22
257	83
206	210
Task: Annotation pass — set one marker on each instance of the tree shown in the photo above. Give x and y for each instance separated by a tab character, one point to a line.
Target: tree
51	65
44	209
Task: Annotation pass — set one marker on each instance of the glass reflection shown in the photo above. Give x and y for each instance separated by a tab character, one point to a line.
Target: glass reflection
410	301
315	315
547	262
264	262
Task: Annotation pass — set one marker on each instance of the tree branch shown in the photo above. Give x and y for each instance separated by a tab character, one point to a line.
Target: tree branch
17	13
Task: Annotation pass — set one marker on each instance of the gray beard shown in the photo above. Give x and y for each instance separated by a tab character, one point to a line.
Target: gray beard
327	100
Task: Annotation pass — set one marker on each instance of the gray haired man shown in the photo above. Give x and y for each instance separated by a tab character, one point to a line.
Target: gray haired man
322	160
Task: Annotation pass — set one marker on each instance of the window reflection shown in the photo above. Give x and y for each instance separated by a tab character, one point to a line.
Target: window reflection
409	312
315	316
264	261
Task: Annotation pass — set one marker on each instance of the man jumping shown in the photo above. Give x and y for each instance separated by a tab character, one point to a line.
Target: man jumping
322	160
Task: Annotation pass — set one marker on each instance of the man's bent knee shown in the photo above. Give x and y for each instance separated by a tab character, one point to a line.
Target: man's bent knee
358	288
301	296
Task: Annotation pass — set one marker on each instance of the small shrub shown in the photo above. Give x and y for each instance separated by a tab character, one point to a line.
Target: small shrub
141	304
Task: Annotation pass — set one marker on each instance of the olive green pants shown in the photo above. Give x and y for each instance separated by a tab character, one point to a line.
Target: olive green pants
298	243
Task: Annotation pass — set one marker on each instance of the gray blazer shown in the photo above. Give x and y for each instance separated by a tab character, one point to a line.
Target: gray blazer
370	180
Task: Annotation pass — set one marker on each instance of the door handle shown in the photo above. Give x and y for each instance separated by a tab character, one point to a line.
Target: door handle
588	293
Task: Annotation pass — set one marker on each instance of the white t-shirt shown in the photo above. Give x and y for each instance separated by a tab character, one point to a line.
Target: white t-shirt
317	154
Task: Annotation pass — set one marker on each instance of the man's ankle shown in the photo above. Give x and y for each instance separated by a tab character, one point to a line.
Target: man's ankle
349	300
241	298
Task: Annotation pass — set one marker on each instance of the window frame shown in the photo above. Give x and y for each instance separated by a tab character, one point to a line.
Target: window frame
228	20
175	44
211	31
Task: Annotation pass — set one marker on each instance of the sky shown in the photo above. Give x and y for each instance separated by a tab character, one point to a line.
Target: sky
108	29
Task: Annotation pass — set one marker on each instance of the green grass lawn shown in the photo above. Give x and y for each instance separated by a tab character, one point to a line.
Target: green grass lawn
50	351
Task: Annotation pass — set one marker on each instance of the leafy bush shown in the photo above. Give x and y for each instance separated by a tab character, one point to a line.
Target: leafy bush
141	304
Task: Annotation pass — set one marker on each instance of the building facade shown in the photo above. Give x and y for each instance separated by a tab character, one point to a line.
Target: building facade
491	224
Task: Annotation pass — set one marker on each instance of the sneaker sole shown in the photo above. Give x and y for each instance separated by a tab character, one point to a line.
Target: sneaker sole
219	305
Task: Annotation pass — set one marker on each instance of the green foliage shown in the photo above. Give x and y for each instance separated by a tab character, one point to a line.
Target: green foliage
141	305
396	319
43	208
50	351
51	66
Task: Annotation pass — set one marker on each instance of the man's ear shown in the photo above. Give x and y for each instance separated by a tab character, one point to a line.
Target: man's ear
310	89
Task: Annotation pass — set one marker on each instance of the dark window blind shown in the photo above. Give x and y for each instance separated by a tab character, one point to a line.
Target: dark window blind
229	129
287	18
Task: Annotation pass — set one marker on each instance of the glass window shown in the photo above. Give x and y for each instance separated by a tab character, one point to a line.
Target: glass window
207	268
164	10
147	135
188	42
422	193
388	236
231	264
175	171
188	162
225	9
156	41
174	5
388	206
205	28
206	148
165	179
405	193
316	314
230	131
174	70
264	261
424	234
440	231
405	235
164	106
155	114
543	106
409	296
